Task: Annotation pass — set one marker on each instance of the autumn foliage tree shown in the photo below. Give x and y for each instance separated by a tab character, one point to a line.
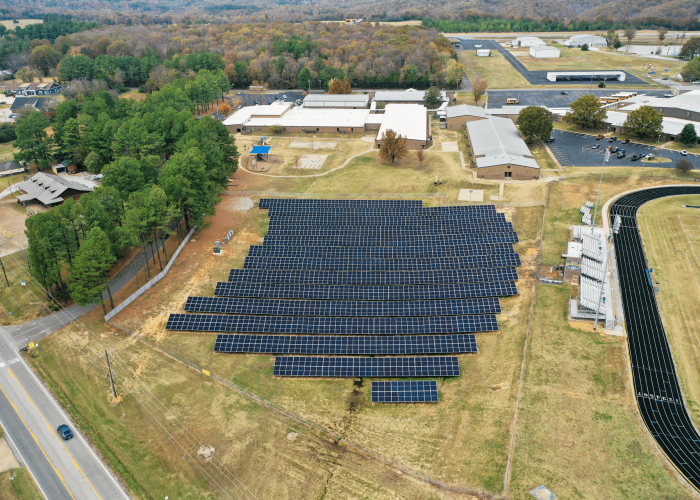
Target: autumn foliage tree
225	109
340	86
479	86
393	146
420	155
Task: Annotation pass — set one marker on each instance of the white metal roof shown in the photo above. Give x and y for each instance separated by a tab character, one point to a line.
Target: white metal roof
410	95
241	116
690	101
505	110
584	36
496	136
521	161
336	97
543	48
48	188
669	126
465	110
314	118
277	108
408	120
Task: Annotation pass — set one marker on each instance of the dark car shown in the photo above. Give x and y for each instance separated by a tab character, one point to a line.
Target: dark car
621	154
564	92
627	141
621	150
634	157
614	150
612	139
551	139
65	432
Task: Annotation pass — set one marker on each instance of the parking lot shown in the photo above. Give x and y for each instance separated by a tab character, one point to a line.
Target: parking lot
248	99
573	149
553	98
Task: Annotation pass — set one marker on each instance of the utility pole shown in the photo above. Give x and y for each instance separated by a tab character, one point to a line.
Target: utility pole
4	272
602	284
111	378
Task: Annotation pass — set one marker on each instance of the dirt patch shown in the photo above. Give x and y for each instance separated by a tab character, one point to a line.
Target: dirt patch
314	144
12	217
236	203
7	459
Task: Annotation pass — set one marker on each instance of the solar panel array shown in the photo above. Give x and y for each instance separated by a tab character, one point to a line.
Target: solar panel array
364	288
404	391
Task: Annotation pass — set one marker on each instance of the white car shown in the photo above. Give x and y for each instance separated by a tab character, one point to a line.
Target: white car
478	46
649	157
239	93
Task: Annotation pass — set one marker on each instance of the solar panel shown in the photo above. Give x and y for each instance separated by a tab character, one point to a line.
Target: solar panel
318	219
424	252
398	240
301	325
307	366
404	391
473	275
378	232
347	345
275	307
437	264
373	292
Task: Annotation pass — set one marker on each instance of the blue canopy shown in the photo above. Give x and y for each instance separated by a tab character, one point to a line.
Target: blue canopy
260	150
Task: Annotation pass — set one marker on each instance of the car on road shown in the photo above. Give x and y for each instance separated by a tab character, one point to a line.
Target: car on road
612	139
614	150
621	154
64	431
684	152
597	146
634	157
551	139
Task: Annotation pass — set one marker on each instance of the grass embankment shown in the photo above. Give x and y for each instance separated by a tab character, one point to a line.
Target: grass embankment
18	484
20	303
671	236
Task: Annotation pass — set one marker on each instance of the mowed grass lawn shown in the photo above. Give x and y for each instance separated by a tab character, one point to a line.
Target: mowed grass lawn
496	70
18	484
579	60
671	236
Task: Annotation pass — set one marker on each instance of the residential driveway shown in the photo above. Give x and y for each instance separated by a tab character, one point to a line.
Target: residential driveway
573	149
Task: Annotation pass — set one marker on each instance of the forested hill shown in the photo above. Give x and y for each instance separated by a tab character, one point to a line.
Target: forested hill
674	14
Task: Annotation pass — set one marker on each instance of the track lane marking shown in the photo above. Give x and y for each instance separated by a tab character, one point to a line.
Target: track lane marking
52	432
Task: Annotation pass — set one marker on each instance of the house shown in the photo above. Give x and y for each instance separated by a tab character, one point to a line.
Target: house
35	103
8	168
32	89
499	151
49	190
407	120
545	51
589	40
528	41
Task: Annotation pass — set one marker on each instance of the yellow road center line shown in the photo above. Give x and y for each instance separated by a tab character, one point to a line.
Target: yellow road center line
52	431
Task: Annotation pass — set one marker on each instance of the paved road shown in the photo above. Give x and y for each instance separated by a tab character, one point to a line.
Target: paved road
658	392
39	328
553	98
64	470
575	149
540	77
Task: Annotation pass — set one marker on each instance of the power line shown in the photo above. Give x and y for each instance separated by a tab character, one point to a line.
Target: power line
170	418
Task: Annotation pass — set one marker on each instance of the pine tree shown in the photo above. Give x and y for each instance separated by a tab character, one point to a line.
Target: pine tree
90	266
34	144
689	136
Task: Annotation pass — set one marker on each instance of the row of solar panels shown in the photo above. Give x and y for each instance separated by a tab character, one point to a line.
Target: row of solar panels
404	391
424	252
346	345
389	240
302	325
400	232
281	202
390	265
389	221
472	275
308	366
354	308
370	292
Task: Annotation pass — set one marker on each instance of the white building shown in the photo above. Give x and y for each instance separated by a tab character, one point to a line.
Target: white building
544	51
651	50
483	52
346	101
409	121
528	41
590	40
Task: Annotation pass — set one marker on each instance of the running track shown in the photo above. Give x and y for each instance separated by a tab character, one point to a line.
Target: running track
656	385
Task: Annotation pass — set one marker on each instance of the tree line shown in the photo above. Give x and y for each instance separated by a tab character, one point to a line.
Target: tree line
160	164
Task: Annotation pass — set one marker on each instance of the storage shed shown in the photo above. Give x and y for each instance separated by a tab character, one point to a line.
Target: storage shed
545	51
483	52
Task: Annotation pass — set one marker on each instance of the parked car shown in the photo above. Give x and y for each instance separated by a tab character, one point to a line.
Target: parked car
564	92
621	150
239	93
684	153
648	157
627	141
634	157
64	431
614	150
284	97
599	137
239	106
612	139
551	139
597	146
621	154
